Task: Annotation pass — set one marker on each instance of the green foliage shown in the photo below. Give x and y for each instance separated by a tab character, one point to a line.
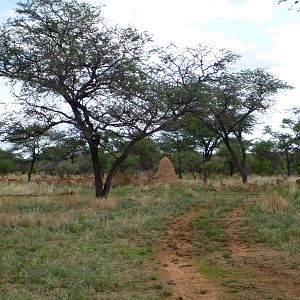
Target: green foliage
147	154
65	168
5	166
7	155
260	166
264	159
287	141
84	166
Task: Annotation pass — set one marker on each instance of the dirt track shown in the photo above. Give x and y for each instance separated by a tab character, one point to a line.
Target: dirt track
175	255
273	268
265	273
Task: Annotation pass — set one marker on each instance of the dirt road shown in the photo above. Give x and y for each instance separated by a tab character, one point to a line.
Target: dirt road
263	273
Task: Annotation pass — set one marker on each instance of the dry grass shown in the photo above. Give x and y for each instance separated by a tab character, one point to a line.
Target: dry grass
78	247
272	201
31	189
132	179
99	204
297	217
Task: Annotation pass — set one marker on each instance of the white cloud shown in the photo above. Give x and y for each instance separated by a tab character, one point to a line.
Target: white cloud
148	13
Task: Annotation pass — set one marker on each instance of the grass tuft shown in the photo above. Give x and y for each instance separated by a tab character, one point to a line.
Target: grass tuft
272	201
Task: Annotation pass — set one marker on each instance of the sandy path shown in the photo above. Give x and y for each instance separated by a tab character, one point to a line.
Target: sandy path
272	270
174	252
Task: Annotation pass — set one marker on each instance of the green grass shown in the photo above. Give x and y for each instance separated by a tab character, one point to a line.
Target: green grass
209	234
60	244
278	229
219	273
76	247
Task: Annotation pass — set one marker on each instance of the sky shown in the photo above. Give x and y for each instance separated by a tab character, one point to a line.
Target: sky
263	32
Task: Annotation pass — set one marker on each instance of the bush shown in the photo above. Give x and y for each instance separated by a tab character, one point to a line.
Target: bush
5	166
65	168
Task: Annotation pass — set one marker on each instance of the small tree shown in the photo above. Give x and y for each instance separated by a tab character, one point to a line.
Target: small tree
264	157
288	141
175	144
31	140
65	168
201	138
147	153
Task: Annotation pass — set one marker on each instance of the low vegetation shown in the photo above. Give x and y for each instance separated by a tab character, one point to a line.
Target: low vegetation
73	246
62	243
275	218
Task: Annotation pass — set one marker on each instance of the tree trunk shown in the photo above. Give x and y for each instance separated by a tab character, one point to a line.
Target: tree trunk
242	170
206	159
31	168
244	166
179	166
231	168
194	175
288	164
97	170
205	174
116	165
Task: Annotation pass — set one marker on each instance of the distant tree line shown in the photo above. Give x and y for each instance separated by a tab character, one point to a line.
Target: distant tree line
193	154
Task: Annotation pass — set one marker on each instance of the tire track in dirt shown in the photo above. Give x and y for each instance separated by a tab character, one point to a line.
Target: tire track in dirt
271	266
271	270
174	251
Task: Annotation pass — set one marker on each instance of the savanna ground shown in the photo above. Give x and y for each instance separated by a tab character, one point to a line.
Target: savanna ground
175	241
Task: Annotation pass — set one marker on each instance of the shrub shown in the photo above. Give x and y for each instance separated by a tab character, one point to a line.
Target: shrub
5	166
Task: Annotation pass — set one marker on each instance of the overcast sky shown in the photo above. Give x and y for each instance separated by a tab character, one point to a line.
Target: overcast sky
264	33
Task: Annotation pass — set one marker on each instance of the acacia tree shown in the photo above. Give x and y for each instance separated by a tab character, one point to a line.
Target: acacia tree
288	140
201	138
227	103
232	108
30	140
77	70
68	146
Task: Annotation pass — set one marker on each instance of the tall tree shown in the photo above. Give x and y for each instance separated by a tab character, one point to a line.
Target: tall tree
233	105
201	138
76	69
228	103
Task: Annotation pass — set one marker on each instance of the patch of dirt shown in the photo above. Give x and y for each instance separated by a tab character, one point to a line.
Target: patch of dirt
175	252
274	269
263	273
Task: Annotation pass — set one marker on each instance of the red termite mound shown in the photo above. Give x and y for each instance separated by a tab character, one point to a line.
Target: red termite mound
165	172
